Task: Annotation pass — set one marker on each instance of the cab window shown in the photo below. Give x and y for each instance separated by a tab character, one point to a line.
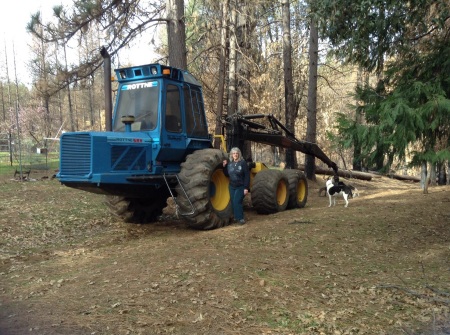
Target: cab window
173	111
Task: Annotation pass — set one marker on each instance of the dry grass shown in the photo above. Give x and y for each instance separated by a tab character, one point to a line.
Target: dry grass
380	266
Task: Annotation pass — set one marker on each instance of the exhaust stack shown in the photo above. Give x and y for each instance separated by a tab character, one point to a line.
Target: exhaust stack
108	88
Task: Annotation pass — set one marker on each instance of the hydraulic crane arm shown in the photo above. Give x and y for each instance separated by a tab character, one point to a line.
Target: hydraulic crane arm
242	128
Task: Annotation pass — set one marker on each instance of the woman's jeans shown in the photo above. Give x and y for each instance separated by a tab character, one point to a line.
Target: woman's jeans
237	198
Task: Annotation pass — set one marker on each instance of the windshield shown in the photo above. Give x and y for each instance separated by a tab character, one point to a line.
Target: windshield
141	101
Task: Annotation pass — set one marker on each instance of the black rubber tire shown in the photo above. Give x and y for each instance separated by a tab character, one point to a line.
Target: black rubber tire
298	188
206	187
139	210
270	192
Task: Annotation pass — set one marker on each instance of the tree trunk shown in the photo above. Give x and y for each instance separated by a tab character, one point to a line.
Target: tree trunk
448	173
176	34
3	101
358	120
311	123
432	174
73	126
222	63
44	76
244	34
291	161
441	173
59	103
48	118
232	96
424	177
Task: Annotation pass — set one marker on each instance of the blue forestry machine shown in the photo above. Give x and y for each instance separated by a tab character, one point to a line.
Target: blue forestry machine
159	147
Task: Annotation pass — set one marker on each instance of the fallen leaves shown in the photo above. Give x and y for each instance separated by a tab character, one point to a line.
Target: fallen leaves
63	258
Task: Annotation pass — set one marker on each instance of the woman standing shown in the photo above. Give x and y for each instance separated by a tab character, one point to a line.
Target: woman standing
237	170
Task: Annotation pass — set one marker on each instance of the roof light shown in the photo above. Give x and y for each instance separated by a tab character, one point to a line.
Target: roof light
166	72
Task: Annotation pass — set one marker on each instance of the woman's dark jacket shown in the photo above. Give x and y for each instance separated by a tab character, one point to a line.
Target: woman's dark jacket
238	173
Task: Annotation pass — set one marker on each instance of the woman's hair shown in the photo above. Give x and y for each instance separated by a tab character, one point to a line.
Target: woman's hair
235	149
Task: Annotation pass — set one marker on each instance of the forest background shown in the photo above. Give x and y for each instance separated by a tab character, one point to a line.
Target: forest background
368	80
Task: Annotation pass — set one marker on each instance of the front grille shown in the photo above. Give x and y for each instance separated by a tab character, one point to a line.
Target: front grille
75	154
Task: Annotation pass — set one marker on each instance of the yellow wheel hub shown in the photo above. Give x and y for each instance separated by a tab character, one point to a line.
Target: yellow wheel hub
301	190
281	193
219	192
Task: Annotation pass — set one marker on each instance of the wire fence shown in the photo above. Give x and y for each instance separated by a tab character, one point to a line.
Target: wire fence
25	159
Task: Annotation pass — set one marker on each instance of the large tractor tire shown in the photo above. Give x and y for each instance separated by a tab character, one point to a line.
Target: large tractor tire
203	196
270	192
139	210
298	188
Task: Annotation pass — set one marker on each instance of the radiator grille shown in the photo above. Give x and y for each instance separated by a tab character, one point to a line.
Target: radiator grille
75	154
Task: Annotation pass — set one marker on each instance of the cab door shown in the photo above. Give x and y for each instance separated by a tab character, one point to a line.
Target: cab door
173	133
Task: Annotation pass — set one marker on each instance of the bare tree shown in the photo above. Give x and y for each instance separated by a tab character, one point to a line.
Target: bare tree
117	22
41	73
17	107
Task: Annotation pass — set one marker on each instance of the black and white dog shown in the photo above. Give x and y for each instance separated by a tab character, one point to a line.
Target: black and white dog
336	188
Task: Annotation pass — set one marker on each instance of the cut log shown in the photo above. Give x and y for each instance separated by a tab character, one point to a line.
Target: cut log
361	175
343	173
404	177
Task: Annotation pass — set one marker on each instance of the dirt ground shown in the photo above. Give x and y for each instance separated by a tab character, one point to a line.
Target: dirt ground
380	266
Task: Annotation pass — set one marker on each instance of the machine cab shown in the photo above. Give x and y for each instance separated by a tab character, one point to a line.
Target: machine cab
166	104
